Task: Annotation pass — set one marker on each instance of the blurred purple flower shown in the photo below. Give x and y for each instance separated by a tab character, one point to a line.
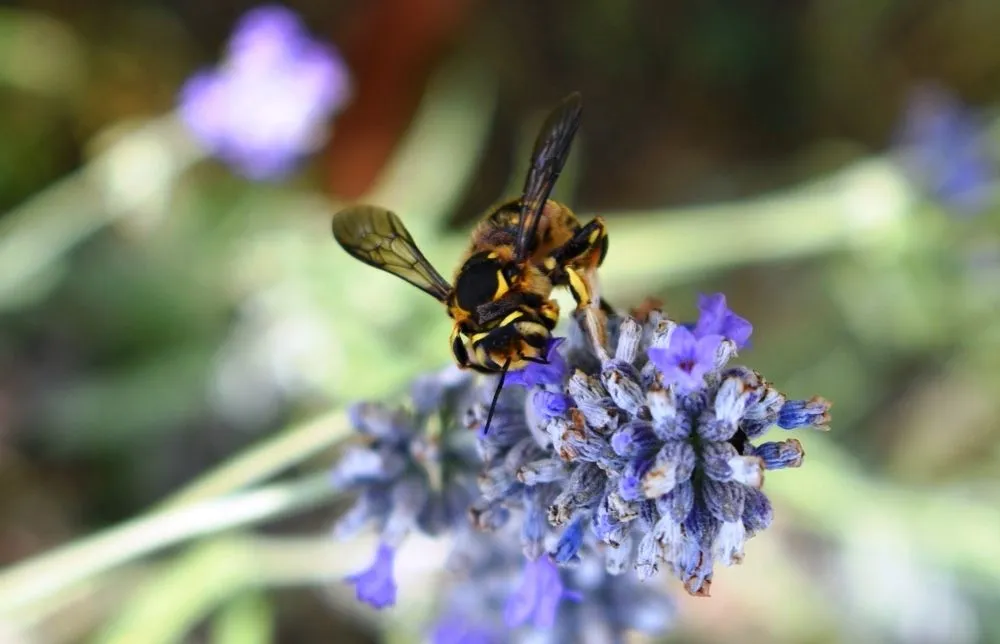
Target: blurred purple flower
376	586
268	103
943	143
538	597
455	629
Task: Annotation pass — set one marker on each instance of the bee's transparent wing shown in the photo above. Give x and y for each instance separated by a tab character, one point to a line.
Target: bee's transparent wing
377	237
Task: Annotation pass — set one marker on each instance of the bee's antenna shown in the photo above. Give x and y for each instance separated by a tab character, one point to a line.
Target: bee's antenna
496	397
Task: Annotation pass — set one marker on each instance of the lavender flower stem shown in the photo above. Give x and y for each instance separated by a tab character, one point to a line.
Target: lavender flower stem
931	521
861	204
248	618
37	233
179	593
259	463
28	583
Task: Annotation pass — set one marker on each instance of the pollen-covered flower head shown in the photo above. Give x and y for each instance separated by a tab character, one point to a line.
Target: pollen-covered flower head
269	102
415	469
644	446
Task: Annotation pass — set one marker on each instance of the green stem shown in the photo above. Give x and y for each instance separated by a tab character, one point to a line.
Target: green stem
183	593
455	116
176	600
439	154
188	588
860	205
259	463
57	570
35	235
247	619
191	586
832	495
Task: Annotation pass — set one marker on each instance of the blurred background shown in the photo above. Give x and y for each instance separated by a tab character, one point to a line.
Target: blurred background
168	301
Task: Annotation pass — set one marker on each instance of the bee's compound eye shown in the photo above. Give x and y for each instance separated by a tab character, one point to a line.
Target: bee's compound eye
477	282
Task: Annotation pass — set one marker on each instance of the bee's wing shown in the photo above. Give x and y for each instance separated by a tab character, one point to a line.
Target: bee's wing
377	237
547	160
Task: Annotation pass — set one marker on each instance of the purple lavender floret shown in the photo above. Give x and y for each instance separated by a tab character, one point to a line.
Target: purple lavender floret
268	104
716	319
538	595
686	360
644	446
541	374
376	585
416	470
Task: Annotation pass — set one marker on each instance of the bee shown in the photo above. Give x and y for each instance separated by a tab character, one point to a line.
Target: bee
501	302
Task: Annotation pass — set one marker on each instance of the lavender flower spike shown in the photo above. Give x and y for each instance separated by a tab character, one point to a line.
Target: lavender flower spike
268	104
655	433
412	474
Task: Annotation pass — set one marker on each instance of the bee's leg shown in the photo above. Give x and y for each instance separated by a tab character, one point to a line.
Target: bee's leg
574	264
586	248
584	288
580	286
595	324
590	308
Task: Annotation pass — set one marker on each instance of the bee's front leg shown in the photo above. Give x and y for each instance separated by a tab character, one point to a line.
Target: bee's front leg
574	265
581	286
587	248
